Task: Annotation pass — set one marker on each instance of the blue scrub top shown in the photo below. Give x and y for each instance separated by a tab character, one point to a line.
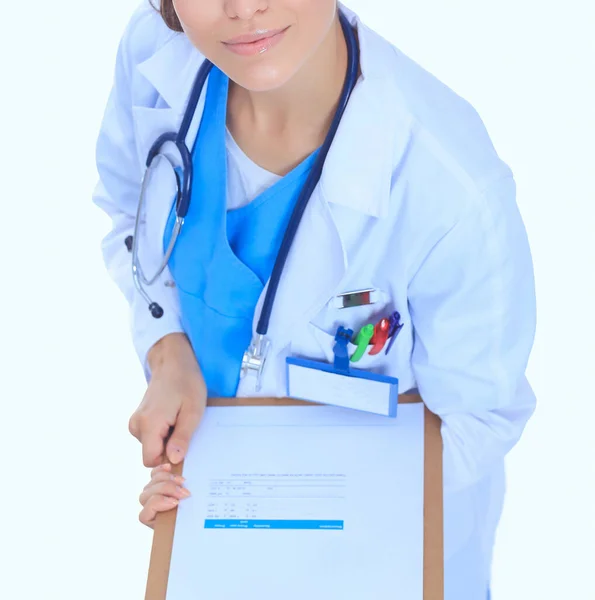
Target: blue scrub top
222	260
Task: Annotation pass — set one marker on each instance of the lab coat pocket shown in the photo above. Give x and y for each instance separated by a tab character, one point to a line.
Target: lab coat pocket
331	317
312	342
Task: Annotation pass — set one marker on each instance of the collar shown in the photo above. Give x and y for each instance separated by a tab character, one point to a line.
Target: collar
374	132
172	69
373	135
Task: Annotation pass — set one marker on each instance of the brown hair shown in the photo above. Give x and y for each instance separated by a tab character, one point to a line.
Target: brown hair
166	8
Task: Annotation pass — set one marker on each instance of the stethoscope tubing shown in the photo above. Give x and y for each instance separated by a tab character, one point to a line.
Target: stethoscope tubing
312	181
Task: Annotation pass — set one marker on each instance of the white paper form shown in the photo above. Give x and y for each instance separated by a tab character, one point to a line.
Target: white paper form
302	503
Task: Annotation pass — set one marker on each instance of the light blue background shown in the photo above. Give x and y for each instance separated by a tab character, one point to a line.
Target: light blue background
69	376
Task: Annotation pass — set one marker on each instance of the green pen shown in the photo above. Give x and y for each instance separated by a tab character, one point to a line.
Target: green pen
362	340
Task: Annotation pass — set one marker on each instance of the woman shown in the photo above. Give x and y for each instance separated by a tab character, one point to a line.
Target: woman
412	203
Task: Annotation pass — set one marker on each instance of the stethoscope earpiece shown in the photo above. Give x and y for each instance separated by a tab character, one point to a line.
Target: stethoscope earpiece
156	310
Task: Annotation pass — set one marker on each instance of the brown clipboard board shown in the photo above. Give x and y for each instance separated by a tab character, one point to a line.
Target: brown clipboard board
433	571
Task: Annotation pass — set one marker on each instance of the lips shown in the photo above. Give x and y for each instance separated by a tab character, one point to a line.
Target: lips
252	38
255	43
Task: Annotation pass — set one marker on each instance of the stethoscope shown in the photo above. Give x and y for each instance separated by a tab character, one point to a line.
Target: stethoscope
255	356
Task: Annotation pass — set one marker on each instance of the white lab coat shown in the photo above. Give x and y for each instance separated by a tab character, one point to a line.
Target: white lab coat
414	202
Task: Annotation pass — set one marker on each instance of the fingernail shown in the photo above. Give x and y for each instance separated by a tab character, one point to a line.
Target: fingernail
176	455
184	492
173	501
178	478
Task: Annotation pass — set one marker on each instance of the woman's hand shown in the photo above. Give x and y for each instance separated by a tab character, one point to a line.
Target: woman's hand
174	402
161	494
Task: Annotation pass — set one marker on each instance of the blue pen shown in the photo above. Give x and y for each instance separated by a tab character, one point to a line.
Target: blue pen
394	331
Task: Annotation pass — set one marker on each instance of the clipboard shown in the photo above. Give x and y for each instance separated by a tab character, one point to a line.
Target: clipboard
433	543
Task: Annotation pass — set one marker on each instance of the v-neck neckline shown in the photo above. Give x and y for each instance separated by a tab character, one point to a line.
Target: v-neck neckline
220	119
277	186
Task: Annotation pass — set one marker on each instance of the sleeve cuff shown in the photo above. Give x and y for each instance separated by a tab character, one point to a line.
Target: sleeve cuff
147	330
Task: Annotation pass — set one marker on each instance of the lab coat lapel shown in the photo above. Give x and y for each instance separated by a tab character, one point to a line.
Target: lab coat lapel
359	182
149	124
374	135
173	89
152	121
172	70
314	269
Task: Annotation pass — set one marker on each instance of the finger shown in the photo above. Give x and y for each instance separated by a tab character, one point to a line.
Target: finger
162	476
154	506
154	428
161	468
163	488
186	424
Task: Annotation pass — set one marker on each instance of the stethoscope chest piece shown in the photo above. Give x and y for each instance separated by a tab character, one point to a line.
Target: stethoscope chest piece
254	359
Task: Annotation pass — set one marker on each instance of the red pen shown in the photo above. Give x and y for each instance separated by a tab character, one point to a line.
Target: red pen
380	336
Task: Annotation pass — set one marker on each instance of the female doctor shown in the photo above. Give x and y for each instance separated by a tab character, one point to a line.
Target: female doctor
317	160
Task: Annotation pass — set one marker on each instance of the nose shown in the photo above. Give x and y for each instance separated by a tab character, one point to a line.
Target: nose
245	9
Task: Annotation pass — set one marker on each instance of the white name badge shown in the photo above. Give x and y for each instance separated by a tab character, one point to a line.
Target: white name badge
323	383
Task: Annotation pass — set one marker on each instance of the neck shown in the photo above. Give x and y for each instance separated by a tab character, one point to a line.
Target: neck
305	104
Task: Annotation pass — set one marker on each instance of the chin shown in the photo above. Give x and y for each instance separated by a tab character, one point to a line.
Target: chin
261	78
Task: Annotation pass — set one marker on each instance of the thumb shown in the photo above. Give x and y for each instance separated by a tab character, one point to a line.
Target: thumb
152	438
188	419
152	448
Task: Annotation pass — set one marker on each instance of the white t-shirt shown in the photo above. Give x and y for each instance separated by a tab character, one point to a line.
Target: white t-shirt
245	179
